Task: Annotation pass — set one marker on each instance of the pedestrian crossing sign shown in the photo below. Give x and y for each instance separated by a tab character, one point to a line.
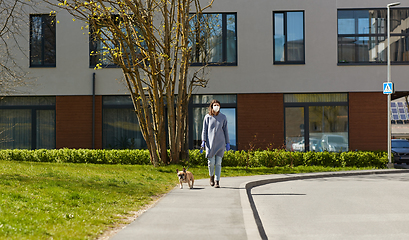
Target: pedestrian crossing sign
388	88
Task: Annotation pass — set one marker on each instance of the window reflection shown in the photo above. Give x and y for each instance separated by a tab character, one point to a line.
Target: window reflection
45	129
27	123
200	104
36	54
362	36
289	37
295	36
320	119
198	115
279	40
42	40
206	99
231	124
307	98
121	130
15	128
294	129
103	44
120	125
231	42
328	128
213	39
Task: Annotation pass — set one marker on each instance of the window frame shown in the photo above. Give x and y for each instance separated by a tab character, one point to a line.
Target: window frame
95	53
193	105
369	35
224	42
286	61
306	106
33	108
43	64
123	105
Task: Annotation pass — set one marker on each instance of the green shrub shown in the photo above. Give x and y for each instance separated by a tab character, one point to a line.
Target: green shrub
268	158
197	158
365	159
282	158
65	155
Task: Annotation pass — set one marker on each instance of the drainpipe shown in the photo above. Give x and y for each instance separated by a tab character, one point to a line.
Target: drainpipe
93	110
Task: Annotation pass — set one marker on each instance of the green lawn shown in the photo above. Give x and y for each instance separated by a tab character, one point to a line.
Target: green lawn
81	201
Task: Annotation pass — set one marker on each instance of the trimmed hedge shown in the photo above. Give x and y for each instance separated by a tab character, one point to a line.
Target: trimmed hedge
136	157
267	158
280	158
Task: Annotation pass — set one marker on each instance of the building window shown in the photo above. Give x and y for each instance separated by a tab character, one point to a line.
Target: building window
101	42
98	52
199	109
320	120
289	43
120	126
213	39
99	45
27	123
42	40
362	36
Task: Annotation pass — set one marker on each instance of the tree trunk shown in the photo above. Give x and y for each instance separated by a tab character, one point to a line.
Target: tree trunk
149	40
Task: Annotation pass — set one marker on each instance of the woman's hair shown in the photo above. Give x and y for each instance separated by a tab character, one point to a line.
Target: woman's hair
211	112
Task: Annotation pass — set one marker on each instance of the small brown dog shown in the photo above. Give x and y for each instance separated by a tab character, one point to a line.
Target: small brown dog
185	177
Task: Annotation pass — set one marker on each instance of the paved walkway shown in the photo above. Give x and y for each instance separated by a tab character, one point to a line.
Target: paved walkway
355	207
209	213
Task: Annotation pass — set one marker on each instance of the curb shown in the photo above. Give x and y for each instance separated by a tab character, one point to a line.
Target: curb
252	222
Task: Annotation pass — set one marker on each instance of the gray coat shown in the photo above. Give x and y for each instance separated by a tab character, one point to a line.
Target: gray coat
216	134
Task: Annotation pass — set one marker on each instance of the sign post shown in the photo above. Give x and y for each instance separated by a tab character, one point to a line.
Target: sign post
388	86
388	89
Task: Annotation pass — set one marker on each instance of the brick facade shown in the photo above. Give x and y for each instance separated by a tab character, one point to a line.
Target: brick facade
74	122
367	121
260	121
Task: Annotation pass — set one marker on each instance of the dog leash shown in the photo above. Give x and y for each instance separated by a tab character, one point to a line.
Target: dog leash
188	163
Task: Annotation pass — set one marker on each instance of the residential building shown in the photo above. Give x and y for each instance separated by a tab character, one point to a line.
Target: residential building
285	72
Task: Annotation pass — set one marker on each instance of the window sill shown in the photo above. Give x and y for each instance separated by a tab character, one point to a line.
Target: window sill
43	66
106	66
213	64
289	63
372	64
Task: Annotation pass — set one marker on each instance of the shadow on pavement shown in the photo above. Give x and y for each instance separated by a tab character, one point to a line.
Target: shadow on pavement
279	194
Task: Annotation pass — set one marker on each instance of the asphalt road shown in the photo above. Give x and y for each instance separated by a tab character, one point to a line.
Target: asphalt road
349	207
370	204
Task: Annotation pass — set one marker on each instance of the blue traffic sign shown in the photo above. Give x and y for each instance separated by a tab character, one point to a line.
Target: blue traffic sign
388	88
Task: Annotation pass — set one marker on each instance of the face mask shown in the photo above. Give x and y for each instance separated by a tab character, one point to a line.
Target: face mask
216	108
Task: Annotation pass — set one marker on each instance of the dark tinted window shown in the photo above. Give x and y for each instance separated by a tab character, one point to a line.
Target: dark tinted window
42	40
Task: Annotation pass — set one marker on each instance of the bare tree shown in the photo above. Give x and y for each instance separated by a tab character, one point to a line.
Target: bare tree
149	41
13	14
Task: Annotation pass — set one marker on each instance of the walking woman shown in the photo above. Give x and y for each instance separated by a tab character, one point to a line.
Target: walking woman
215	138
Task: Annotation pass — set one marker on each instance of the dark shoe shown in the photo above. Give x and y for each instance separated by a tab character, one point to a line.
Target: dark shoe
217	184
212	181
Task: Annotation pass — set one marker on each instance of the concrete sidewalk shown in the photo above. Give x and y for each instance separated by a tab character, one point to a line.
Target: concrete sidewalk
205	212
